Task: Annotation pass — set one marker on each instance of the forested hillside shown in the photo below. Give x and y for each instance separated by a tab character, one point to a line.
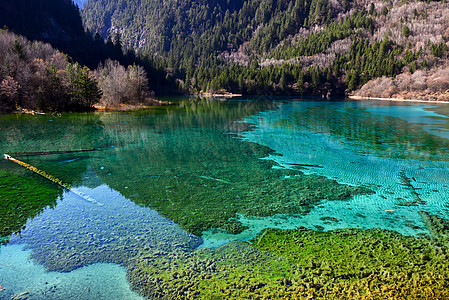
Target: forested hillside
59	23
316	47
48	62
35	76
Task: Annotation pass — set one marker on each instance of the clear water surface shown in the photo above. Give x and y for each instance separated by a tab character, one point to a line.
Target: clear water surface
202	173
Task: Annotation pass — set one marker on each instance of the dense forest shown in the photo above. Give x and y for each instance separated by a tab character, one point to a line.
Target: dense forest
301	47
47	60
35	76
316	47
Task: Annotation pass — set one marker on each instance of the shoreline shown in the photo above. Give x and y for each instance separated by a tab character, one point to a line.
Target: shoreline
122	107
131	107
396	99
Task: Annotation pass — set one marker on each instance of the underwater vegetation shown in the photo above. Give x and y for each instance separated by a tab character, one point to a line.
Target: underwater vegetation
371	263
77	232
23	195
380	136
302	264
233	271
203	179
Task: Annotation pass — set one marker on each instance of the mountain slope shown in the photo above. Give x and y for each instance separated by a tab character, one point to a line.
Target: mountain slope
317	47
59	23
44	19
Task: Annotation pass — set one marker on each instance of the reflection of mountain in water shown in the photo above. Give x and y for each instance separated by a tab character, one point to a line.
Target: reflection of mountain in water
24	194
186	167
383	136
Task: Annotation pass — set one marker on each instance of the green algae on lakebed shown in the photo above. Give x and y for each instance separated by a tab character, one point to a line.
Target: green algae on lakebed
203	179
348	253
23	195
300	264
233	271
366	262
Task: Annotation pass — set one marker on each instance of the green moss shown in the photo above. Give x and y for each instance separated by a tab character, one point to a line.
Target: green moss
364	261
300	264
348	253
23	195
233	271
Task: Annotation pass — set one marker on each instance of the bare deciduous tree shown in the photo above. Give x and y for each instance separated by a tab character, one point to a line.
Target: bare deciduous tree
120	85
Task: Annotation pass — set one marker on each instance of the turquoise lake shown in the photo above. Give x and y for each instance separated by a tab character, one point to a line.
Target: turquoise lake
202	173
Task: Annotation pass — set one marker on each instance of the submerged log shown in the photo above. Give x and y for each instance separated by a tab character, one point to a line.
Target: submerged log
306	165
438	227
37	153
40	172
416	198
53	179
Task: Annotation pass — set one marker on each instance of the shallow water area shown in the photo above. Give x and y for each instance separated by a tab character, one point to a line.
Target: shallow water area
20	274
201	174
315	145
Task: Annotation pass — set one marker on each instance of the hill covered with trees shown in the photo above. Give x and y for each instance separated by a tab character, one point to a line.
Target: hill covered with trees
35	76
314	47
48	62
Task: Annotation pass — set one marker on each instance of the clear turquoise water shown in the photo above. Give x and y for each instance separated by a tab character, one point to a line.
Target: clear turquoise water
200	174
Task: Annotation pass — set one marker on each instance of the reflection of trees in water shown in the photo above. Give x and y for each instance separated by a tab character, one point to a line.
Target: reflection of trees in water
187	168
382	136
53	133
24	194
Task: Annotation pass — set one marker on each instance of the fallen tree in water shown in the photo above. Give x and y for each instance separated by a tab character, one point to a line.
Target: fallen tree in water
53	179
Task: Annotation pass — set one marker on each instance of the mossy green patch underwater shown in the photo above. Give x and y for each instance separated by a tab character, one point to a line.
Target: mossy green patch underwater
301	264
368	263
23	195
233	271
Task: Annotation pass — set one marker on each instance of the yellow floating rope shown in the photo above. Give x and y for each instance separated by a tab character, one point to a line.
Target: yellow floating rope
53	179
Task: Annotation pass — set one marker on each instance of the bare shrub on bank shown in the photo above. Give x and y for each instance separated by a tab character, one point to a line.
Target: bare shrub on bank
122	85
